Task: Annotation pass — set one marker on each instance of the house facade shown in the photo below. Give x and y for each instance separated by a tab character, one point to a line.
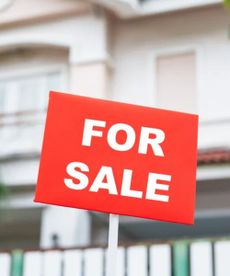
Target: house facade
169	54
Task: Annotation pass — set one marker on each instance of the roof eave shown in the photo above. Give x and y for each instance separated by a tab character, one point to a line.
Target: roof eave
134	8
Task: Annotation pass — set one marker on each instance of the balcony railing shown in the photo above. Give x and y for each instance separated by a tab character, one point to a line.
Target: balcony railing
21	132
178	258
16	119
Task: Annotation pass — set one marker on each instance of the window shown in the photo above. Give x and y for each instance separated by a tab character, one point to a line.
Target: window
27	93
176	81
26	77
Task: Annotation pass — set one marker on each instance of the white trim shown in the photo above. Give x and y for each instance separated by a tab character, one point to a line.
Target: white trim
77	41
163	6
24	201
30	40
123	8
131	8
58	41
213	172
34	70
177	50
210	213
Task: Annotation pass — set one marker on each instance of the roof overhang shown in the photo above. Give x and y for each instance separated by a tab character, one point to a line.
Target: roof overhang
137	8
213	164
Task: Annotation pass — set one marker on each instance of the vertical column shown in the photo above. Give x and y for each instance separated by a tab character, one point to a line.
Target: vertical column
89	79
94	262
120	263
17	263
52	263
64	227
32	262
201	258
5	262
73	262
222	253
160	260
89	57
137	260
180	259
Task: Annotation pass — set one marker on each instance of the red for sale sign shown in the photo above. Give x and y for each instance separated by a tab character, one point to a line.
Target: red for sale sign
119	158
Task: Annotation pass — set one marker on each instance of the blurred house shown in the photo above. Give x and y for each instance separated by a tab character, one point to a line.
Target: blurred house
171	54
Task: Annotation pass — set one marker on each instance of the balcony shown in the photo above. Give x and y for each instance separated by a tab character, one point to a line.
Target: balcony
21	138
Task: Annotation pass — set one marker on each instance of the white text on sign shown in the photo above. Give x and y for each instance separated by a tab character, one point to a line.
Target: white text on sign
149	137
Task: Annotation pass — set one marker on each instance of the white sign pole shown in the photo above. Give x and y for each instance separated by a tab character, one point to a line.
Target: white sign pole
112	245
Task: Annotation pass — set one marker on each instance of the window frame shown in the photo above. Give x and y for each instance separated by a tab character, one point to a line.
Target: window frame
35	71
177	50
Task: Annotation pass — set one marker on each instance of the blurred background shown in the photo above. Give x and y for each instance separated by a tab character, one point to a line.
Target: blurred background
173	54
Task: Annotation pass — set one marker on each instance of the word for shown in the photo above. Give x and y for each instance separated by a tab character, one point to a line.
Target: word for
146	138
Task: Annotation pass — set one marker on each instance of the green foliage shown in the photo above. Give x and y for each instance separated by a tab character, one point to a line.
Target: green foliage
227	3
3	190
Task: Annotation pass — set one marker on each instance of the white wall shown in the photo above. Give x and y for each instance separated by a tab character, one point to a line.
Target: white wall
14	11
84	36
70	225
136	44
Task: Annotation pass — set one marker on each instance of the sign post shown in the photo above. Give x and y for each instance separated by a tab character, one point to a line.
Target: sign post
112	245
120	159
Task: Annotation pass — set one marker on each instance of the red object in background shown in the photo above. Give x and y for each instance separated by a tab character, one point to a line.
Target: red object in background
134	160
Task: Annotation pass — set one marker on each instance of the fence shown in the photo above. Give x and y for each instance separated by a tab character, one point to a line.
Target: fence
182	258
